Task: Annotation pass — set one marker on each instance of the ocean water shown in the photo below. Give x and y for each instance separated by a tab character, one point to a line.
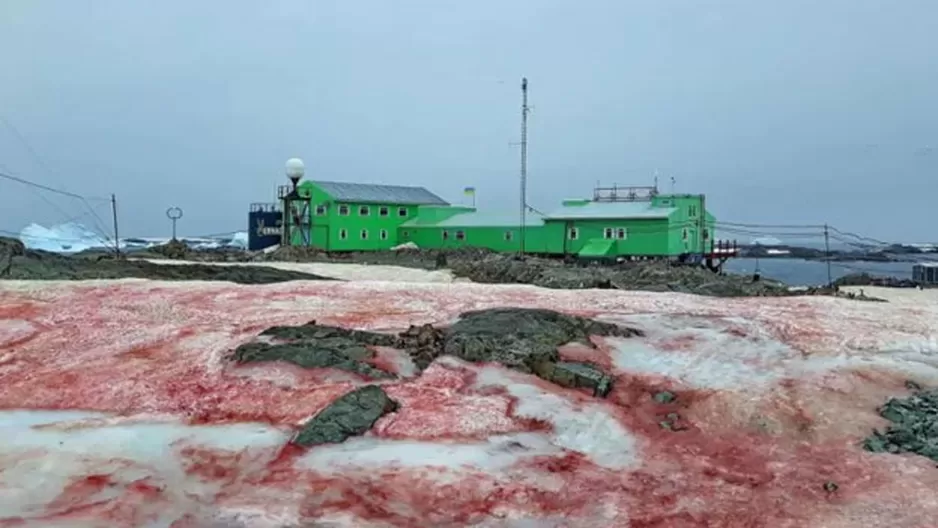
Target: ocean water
797	272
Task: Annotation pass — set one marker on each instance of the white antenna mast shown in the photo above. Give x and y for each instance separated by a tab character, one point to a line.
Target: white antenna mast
524	157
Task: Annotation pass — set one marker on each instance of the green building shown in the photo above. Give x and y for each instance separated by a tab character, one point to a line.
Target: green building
616	222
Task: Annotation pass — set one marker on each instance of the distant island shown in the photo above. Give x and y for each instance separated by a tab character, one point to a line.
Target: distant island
890	253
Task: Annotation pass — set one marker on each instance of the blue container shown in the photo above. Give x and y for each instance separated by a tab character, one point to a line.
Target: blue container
264	226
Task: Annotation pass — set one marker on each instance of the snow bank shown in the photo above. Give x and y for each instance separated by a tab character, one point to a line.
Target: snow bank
349	272
118	408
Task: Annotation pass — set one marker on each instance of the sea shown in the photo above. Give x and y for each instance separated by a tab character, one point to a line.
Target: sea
74	237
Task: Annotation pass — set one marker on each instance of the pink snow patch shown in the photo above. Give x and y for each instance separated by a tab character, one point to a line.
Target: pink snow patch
119	408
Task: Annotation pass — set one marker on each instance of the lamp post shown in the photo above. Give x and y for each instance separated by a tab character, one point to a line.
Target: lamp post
292	214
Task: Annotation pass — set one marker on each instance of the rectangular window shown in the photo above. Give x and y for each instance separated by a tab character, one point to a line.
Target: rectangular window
620	233
364	234
343	234
684	234
383	210
574	233
607	233
402	211
383	234
364	210
343	210
460	235
508	236
320	210
445	235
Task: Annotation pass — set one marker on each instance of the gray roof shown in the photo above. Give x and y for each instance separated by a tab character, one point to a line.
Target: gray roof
927	264
389	194
610	210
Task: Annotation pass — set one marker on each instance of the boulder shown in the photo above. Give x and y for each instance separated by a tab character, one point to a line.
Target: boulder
353	414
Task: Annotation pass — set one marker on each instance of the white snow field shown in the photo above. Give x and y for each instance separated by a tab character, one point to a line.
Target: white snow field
349	272
118	408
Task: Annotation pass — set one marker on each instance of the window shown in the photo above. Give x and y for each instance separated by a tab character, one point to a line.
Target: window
706	234
383	234
383	210
343	210
692	210
401	211
684	234
320	210
574	233
460	235
445	235
620	233
364	210
508	236
607	233
405	234
343	234
364	234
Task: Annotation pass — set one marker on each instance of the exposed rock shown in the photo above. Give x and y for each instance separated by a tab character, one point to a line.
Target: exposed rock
914	427
330	352
9	248
865	279
174	249
313	331
522	339
352	414
23	264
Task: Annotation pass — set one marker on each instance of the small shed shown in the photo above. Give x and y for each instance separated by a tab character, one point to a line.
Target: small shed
925	273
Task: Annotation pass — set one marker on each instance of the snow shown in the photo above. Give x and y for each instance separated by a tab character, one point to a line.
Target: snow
350	272
118	408
72	237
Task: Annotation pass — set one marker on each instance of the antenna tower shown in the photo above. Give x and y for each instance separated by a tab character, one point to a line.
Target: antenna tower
524	157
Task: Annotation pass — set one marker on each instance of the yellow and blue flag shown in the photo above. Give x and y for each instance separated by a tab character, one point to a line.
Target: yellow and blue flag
469	191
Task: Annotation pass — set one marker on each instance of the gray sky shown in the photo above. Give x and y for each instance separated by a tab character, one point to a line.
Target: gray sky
781	111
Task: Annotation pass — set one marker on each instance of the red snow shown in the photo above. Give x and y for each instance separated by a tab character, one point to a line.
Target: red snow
757	455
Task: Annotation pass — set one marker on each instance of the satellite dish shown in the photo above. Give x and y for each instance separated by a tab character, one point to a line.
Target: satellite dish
295	169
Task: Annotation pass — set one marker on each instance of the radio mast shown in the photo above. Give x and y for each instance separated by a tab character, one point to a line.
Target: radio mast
524	157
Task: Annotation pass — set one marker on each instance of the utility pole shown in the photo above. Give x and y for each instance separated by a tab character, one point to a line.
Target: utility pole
524	157
117	240
827	254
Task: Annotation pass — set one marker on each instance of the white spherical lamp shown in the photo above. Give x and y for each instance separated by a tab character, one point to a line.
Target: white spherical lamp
295	170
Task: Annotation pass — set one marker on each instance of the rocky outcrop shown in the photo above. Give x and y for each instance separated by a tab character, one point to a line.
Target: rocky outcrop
522	339
914	427
19	263
353	414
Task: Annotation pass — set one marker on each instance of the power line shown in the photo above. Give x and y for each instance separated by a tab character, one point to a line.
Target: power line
44	187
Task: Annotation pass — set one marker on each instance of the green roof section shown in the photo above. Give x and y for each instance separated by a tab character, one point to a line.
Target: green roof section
598	248
610	210
473	218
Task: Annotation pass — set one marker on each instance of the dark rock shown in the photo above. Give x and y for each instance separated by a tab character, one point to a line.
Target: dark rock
914	427
522	339
174	249
41	265
353	414
315	331
329	352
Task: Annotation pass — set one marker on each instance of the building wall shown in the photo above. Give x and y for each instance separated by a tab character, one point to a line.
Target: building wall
640	237
334	231
537	238
684	233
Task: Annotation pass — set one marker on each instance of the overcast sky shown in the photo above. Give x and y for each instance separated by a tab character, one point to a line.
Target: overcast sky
781	111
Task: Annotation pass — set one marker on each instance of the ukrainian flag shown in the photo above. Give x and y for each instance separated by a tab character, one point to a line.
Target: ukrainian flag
469	191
